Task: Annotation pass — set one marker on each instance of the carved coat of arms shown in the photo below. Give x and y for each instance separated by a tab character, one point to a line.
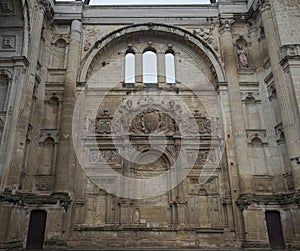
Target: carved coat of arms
151	120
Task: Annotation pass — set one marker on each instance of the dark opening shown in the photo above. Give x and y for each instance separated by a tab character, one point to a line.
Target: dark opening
36	230
274	230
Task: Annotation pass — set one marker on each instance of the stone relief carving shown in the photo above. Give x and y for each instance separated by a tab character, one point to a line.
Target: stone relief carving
108	156
245	200
202	157
147	116
103	122
44	183
205	34
263	184
101	125
7	8
290	50
44	6
8	42
226	24
206	125
242	56
152	120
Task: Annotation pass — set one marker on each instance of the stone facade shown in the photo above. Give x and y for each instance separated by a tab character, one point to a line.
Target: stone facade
224	136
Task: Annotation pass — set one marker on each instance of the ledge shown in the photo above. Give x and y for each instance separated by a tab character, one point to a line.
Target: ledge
143	227
23	199
245	200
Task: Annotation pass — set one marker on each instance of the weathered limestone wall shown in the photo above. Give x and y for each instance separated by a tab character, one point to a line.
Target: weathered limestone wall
246	51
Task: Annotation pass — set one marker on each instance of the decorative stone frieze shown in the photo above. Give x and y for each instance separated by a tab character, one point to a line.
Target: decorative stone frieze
22	199
104	156
245	200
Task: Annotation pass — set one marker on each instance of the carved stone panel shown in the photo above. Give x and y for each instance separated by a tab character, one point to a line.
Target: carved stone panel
152	120
263	184
106	156
7	8
103	123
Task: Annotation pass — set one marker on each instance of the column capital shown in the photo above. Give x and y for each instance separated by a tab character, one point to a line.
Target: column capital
263	5
43	6
226	24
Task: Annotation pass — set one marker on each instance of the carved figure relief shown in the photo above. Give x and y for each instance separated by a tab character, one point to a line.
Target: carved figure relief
243	56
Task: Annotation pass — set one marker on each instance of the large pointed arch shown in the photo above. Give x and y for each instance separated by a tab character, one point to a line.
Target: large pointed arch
186	37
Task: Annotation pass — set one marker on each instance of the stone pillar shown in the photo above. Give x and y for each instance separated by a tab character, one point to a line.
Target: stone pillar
66	160
237	118
23	102
181	199
290	119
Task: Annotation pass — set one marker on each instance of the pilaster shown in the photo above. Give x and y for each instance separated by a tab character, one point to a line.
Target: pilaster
290	118
237	119
19	127
66	160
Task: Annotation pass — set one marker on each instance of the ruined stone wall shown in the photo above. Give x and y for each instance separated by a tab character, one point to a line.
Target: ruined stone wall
242	55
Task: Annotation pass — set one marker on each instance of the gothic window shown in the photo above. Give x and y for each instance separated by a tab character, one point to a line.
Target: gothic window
130	67
170	67
149	66
3	91
259	157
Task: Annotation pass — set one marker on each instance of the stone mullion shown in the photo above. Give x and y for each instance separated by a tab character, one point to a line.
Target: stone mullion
289	119
23	110
161	73
66	155
139	68
237	119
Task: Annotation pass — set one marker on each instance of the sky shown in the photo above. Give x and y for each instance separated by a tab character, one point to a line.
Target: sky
110	2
